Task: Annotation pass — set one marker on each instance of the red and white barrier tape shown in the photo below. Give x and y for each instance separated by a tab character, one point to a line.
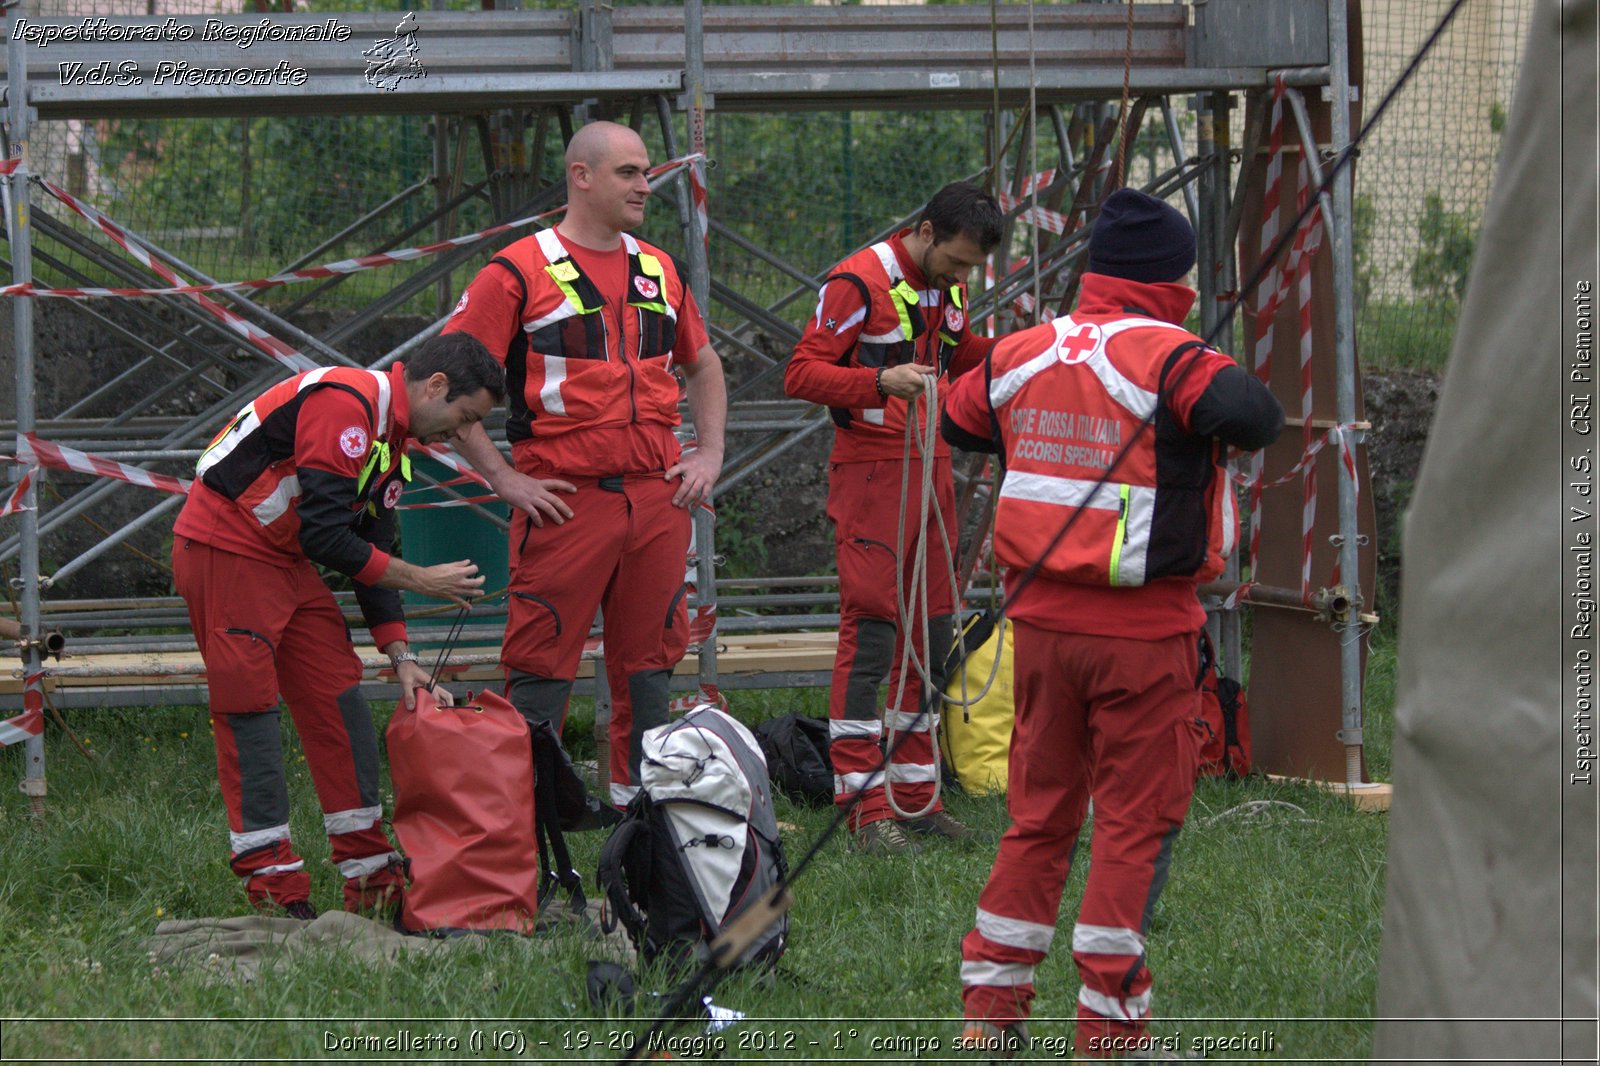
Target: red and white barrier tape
14	503
697	191
707	694
1263	338
30	723
1308	508
60	457
254	334
326	270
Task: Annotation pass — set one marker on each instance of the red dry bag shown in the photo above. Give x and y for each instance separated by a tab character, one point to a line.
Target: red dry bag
463	814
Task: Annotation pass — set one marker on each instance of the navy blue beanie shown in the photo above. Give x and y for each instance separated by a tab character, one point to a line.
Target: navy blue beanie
1140	238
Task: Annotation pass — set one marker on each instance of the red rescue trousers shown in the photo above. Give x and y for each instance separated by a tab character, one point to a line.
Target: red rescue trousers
864	506
623	550
1112	719
265	629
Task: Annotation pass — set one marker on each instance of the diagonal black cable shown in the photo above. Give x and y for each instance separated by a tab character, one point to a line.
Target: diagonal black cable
692	986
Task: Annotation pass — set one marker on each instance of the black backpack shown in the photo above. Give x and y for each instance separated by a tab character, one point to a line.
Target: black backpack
796	749
698	845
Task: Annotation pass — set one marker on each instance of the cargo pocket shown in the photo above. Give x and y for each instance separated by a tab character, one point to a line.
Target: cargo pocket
241	671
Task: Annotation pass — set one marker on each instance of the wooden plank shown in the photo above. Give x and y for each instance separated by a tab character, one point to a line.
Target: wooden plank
736	655
1373	796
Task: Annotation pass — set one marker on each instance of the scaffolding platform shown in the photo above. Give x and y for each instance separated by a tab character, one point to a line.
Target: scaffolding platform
756	58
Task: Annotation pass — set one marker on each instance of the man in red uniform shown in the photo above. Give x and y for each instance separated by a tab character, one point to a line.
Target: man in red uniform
591	324
308	475
1114	419
889	318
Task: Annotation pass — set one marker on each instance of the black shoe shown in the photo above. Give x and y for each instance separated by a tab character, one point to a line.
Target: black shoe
301	910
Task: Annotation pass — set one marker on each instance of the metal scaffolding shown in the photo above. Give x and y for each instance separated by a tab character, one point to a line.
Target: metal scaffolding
522	68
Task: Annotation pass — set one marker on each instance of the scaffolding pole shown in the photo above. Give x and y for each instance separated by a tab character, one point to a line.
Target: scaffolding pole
28	582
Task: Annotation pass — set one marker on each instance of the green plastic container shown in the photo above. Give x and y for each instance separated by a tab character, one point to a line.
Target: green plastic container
433	535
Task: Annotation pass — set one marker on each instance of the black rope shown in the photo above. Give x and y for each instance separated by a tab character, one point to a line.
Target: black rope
691	987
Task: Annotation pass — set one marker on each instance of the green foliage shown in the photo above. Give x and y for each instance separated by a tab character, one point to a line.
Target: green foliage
1446	240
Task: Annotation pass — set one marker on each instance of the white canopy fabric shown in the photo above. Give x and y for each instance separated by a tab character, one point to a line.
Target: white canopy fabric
1492	892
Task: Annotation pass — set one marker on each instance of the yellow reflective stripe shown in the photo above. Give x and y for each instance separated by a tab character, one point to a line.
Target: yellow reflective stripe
564	272
650	266
405	466
955	296
378	460
904	297
1121	534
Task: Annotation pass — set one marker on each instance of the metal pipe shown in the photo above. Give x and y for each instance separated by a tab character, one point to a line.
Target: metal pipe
1345	352
105	544
18	228
728	483
1179	153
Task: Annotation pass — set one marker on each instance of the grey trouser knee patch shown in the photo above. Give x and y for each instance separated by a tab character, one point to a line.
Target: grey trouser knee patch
540	699
941	638
874	655
647	693
363	743
263	788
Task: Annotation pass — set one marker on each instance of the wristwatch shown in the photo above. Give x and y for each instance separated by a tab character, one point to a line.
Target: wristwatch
403	657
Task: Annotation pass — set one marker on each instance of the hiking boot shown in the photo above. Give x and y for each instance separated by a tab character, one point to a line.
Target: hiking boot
1000	1042
883	837
378	894
300	910
938	824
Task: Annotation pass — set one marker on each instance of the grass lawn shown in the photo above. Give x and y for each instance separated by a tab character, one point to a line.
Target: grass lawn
1267	935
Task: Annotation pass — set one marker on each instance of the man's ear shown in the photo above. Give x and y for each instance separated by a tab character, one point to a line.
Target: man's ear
438	385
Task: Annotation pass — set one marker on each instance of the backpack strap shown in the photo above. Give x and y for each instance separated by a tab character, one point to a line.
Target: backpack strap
547	825
632	832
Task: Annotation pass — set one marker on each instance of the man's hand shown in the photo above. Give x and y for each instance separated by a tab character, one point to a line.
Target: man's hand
537	496
907	380
411	676
459	582
699	469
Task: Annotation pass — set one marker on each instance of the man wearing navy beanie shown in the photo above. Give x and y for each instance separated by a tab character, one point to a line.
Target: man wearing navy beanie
1117	420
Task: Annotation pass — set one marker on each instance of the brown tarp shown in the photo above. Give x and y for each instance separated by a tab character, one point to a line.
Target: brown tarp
1490	919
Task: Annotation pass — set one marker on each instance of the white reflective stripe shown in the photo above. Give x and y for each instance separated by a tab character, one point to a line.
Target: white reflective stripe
859	316
622	795
630	244
1014	932
872	416
910	773
255	838
848	727
1106	940
891	264
563	310
893	336
910	721
248	423
382	413
1001	974
1230	512
1065	491
1131	1010
929	297
1141	519
276	505
550	245
1007	385
351	821
1137	401
286	868
555	372
354	868
848	784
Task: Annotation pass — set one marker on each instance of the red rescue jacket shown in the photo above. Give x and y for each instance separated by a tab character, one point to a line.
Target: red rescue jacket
1064	414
